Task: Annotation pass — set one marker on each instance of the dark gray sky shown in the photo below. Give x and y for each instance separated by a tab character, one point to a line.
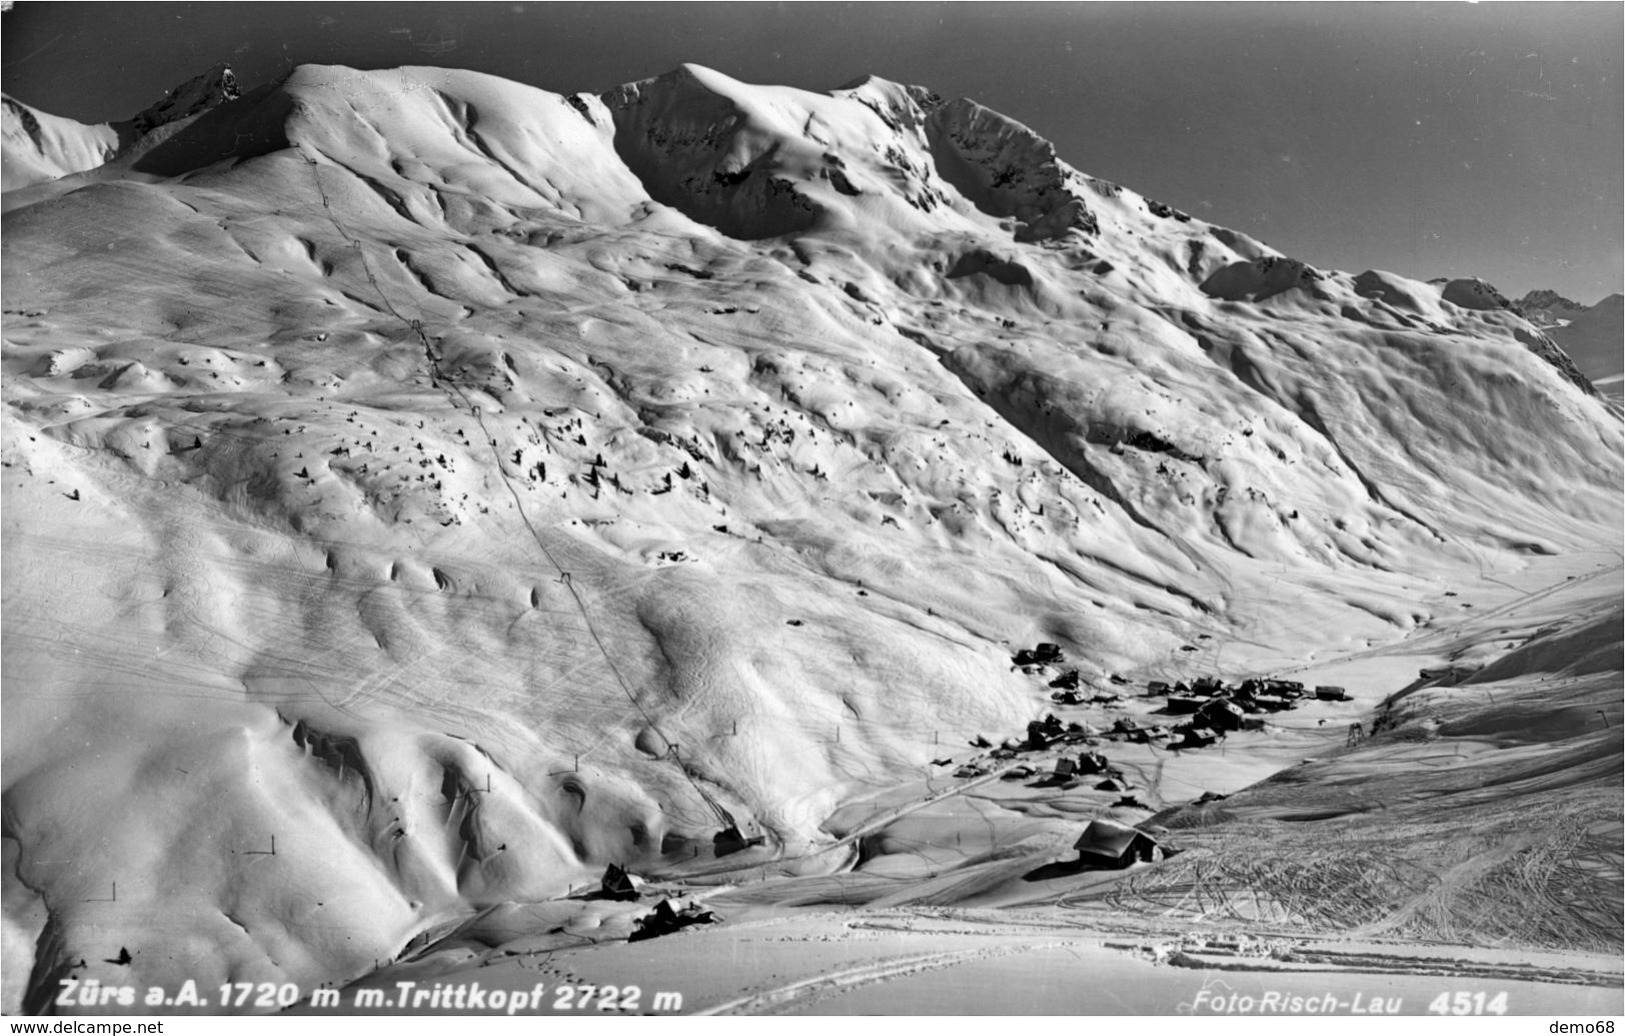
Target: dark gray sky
1428	139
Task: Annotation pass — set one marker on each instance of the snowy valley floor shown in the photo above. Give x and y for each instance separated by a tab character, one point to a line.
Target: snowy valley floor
1475	847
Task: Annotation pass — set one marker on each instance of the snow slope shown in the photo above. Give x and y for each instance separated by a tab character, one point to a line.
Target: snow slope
466	486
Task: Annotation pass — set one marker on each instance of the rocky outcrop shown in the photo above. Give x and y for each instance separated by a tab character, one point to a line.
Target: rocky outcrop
197	95
1005	169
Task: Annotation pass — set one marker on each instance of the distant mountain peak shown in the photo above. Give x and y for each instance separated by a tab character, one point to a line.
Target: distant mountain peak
39	147
1590	334
202	92
1547	299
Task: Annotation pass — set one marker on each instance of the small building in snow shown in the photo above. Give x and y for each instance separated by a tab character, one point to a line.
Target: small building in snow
1106	843
1195	737
1220	715
617	884
1091	762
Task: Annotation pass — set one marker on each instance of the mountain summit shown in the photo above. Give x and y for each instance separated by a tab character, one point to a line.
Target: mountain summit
202	92
424	490
1550	301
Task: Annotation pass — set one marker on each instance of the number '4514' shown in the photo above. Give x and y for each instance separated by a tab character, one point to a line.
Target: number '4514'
1468	1003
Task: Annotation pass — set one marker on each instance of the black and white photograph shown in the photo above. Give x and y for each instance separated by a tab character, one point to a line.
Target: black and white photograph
568	510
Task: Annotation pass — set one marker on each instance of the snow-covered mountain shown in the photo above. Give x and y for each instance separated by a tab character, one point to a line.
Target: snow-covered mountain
39	147
1545	307
468	486
1593	335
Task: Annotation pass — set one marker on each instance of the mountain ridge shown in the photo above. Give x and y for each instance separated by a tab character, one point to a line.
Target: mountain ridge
73	147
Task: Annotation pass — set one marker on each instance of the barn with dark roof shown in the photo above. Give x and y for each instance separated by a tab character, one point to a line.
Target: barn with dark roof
1106	843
